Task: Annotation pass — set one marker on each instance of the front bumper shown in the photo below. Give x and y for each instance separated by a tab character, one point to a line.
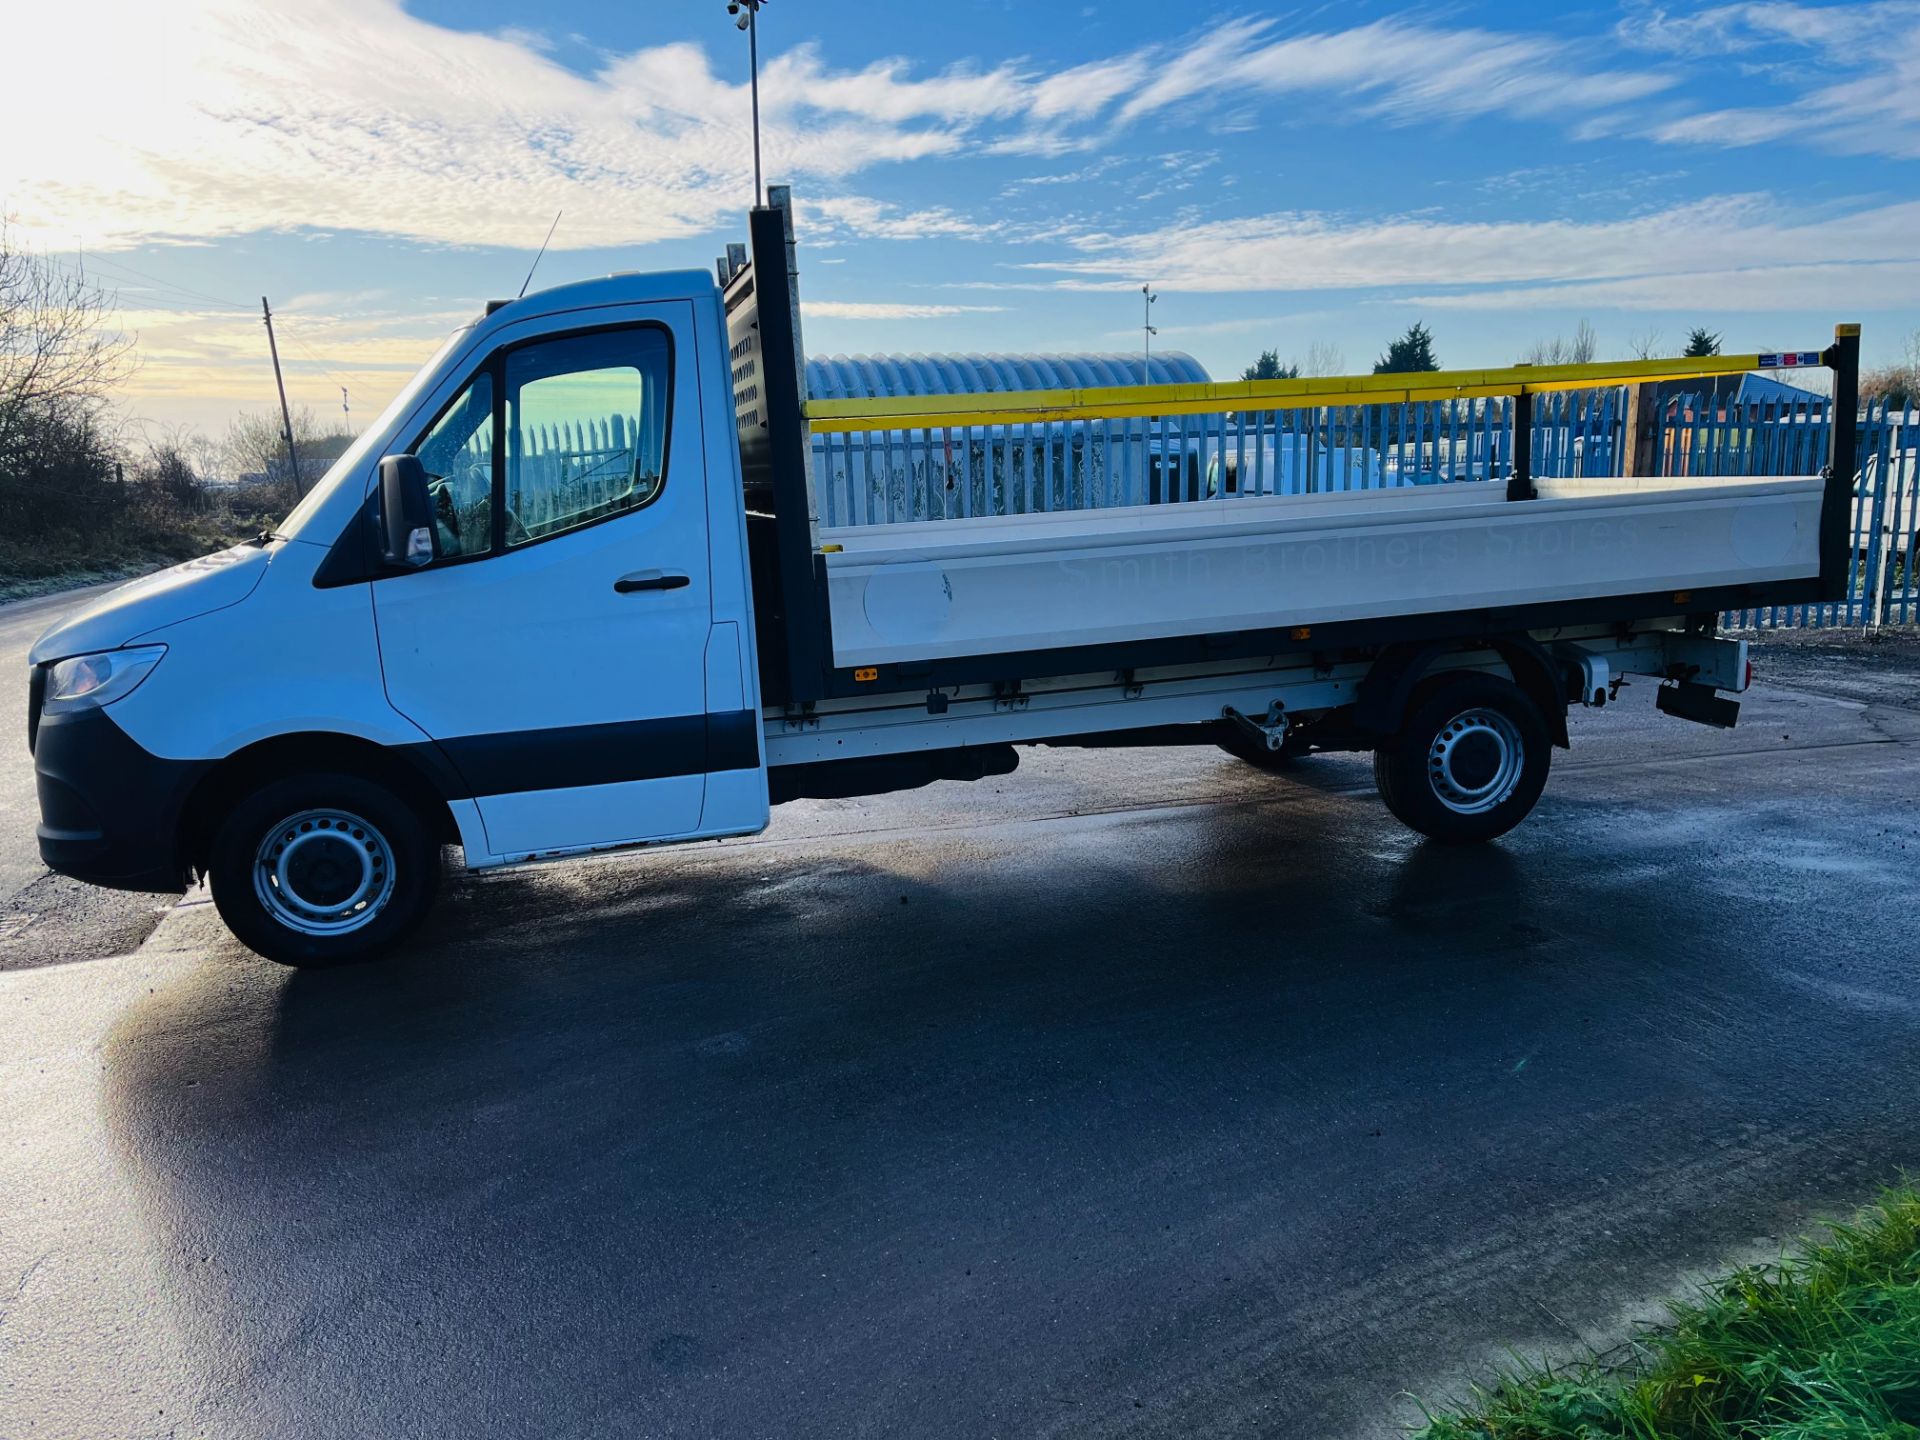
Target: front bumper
109	810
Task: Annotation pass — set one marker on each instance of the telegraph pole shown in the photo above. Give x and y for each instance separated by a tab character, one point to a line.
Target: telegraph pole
286	416
346	411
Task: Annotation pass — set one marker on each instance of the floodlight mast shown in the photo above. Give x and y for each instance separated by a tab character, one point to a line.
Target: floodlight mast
746	17
1146	324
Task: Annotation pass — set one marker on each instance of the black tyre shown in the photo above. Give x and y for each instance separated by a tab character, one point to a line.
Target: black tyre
323	869
1469	763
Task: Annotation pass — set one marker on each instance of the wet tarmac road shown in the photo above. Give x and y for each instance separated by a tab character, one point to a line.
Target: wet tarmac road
46	918
1133	1094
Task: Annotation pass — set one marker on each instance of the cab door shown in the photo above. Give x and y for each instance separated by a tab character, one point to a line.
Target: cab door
556	648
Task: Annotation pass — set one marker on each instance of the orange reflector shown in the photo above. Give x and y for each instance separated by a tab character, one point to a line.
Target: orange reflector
1301	632
865	673
832	549
1681	597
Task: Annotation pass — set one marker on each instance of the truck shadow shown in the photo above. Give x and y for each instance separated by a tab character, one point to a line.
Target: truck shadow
638	1147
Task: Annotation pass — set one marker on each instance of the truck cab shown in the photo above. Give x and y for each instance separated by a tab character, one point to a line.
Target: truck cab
565	664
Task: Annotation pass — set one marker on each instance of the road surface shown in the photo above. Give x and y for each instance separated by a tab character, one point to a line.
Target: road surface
1135	1094
43	917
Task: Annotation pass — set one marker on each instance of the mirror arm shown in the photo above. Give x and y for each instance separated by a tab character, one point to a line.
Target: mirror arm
405	514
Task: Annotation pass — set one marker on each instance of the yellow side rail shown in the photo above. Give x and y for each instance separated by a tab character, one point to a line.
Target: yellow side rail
934	412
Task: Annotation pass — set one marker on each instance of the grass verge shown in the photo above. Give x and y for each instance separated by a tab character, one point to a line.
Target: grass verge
1824	1345
47	564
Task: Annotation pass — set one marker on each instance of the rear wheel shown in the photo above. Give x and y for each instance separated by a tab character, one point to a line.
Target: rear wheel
323	869
1469	763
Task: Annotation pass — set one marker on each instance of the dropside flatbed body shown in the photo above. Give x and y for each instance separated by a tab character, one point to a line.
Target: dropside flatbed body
1036	601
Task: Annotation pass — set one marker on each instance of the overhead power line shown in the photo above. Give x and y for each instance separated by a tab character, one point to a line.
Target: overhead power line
313	358
187	290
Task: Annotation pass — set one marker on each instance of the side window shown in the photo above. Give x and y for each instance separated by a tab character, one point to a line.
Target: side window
457	453
587	429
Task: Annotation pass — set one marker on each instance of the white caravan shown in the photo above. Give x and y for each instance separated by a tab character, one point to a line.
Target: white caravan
568	594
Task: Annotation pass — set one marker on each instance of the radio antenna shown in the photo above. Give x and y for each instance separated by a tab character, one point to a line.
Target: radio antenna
536	259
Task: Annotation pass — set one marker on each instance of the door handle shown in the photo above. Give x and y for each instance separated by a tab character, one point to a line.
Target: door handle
649	580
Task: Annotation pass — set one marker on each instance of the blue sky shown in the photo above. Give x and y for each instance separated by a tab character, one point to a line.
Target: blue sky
979	174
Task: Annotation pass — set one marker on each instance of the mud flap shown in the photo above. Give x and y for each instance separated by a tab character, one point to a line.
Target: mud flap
1698	703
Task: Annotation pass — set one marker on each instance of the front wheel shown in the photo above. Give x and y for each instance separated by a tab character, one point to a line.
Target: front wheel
1468	764
323	869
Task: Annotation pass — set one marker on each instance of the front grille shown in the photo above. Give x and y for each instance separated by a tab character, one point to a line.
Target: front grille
36	700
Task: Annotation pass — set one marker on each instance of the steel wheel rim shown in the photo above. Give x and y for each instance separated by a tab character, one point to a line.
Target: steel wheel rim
323	872
1475	762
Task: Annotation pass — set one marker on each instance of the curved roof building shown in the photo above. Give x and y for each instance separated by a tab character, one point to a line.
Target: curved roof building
845	377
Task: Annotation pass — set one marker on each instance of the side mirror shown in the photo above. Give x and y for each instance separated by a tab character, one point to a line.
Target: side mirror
406	513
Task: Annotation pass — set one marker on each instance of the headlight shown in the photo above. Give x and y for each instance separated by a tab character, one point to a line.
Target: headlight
92	680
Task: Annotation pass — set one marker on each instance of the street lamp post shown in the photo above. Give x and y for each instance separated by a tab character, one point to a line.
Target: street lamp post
746	13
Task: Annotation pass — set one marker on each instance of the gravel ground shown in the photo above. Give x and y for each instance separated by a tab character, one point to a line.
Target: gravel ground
1880	667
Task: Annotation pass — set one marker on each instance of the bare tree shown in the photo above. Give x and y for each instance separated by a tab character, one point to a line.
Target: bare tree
59	350
166	471
172	462
1324	358
1560	350
255	453
205	452
1898	383
256	444
1645	344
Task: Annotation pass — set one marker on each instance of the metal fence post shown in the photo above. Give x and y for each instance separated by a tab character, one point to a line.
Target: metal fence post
1520	481
1875	474
1836	514
1637	431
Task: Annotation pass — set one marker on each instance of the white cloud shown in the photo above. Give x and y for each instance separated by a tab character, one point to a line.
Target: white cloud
1400	71
1736	252
1739	28
201	365
830	217
324	301
208	118
1200	66
887	92
1839	290
1874	110
1085	90
886	310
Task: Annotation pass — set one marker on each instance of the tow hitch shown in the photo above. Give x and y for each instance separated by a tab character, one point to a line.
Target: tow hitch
1269	734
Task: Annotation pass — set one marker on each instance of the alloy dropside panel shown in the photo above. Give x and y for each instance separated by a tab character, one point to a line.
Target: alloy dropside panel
943	589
